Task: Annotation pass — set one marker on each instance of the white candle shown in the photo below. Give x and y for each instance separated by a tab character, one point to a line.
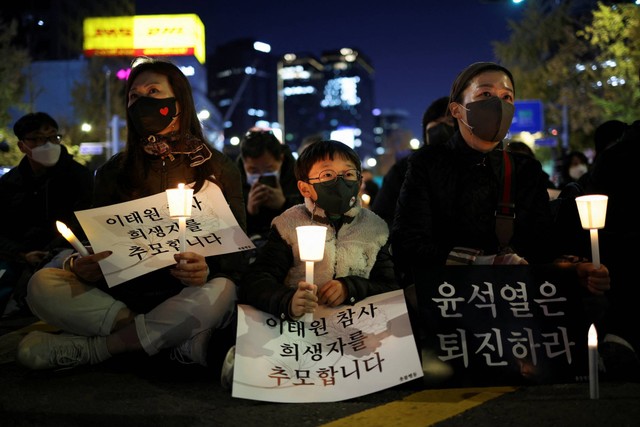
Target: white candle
595	249
71	238
308	277
311	240
593	213
182	227
594	393
180	202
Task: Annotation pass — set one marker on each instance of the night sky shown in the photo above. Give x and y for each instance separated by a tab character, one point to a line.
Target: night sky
416	46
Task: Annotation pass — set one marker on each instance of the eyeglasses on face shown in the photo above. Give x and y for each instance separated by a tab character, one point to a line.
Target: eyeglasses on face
41	140
329	177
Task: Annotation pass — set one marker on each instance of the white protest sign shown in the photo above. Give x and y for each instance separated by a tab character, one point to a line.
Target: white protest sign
144	238
346	352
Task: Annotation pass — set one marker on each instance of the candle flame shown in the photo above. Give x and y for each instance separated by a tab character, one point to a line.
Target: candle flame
592	337
63	229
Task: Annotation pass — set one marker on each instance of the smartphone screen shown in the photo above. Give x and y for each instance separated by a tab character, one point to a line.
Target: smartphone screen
270	180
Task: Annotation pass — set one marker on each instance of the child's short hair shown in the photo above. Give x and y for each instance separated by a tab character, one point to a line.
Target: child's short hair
320	150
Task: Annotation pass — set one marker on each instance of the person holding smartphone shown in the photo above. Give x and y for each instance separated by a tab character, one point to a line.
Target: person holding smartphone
269	184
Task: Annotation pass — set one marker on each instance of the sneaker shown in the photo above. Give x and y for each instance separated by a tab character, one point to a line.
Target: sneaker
41	350
226	374
193	350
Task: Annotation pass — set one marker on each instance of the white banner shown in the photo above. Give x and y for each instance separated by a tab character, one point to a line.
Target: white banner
144	238
346	352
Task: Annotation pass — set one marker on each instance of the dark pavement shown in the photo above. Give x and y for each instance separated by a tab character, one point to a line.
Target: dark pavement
142	391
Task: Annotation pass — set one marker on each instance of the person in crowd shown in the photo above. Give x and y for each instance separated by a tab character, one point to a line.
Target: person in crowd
574	165
48	185
174	308
269	184
437	128
612	175
446	211
607	133
437	125
567	220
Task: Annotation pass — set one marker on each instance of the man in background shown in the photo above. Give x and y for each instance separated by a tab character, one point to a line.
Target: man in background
48	185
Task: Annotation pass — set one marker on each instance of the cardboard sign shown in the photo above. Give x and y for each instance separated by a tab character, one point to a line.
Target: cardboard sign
503	325
345	352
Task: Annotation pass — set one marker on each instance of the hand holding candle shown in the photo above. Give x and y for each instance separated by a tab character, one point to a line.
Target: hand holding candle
180	202
311	240
593	211
71	238
594	392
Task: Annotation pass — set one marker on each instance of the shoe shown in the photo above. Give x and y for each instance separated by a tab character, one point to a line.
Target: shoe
226	374
41	350
618	362
193	350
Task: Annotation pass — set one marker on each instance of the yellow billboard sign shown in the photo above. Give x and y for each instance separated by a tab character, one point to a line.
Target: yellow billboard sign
152	35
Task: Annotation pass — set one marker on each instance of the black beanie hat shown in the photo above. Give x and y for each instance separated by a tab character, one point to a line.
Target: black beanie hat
462	81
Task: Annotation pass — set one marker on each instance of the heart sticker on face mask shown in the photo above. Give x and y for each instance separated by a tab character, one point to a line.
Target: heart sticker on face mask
164	111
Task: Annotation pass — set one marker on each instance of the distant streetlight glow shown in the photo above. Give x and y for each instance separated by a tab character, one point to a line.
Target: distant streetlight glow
262	47
414	143
85	127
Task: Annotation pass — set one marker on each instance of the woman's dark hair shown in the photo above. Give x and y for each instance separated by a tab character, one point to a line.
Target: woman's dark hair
135	167
320	150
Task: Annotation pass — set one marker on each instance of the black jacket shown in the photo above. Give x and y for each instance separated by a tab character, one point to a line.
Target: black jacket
449	198
31	205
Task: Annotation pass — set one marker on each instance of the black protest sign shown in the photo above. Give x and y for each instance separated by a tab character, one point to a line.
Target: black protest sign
503	325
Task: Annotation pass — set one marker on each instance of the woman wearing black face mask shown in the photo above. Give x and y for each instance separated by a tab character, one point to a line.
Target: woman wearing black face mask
446	211
175	307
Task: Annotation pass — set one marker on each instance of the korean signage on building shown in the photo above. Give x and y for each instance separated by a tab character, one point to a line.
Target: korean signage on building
152	35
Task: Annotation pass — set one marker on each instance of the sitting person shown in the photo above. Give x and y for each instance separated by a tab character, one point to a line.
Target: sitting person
446	210
356	262
176	307
48	185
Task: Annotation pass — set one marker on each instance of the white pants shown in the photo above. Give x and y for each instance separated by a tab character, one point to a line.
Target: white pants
57	297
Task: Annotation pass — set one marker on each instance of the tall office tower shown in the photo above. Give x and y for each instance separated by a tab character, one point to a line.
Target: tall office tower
347	99
300	92
242	84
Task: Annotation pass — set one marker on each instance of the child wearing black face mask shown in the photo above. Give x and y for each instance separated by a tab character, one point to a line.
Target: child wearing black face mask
356	261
